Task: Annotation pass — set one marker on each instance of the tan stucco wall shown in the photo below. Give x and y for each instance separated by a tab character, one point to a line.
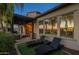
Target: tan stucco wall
72	43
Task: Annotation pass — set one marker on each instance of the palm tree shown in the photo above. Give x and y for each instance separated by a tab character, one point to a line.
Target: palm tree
3	9
10	10
6	14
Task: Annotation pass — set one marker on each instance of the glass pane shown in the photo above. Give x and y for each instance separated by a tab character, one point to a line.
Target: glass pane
51	26
67	25
47	26
54	26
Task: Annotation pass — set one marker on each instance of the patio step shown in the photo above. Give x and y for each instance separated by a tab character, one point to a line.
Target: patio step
71	51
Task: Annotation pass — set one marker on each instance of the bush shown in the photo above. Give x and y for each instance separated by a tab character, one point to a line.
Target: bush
7	41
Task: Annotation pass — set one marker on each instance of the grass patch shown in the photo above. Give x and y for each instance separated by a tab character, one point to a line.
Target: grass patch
26	50
7	42
31	51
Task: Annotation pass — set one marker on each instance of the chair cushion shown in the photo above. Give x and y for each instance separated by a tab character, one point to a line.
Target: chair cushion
43	49
55	43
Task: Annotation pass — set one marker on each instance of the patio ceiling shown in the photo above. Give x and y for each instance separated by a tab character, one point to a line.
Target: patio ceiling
19	19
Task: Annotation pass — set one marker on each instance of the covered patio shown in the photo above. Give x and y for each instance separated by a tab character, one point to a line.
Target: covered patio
23	25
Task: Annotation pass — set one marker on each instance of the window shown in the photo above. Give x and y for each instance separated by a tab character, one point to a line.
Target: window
67	25
41	27
51	26
54	25
47	26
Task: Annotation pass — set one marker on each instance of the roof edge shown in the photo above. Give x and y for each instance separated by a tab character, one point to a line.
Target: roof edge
55	8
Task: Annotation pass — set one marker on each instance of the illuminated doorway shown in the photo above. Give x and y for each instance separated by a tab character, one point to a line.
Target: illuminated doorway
28	29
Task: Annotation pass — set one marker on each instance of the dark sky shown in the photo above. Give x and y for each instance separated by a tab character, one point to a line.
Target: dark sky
41	7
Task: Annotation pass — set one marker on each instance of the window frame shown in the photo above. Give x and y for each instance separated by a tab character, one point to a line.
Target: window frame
67	23
42	25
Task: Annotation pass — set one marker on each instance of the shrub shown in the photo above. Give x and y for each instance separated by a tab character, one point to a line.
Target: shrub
7	41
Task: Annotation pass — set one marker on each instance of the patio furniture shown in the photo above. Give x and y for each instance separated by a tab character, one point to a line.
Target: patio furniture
45	49
42	40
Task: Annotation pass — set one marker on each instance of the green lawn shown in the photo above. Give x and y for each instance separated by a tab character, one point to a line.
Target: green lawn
31	51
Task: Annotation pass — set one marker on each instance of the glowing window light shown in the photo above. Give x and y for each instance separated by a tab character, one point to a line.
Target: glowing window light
62	25
40	26
55	27
49	26
70	24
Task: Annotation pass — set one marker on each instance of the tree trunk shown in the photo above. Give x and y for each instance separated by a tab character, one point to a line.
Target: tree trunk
11	26
2	27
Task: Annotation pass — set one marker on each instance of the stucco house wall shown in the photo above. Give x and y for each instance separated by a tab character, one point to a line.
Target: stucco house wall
72	43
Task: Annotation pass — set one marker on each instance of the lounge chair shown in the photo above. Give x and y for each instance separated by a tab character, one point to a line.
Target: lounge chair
45	49
42	40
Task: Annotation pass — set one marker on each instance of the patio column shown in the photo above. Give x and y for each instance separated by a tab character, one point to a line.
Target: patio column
76	25
58	26
34	29
23	30
33	34
37	29
19	30
44	28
